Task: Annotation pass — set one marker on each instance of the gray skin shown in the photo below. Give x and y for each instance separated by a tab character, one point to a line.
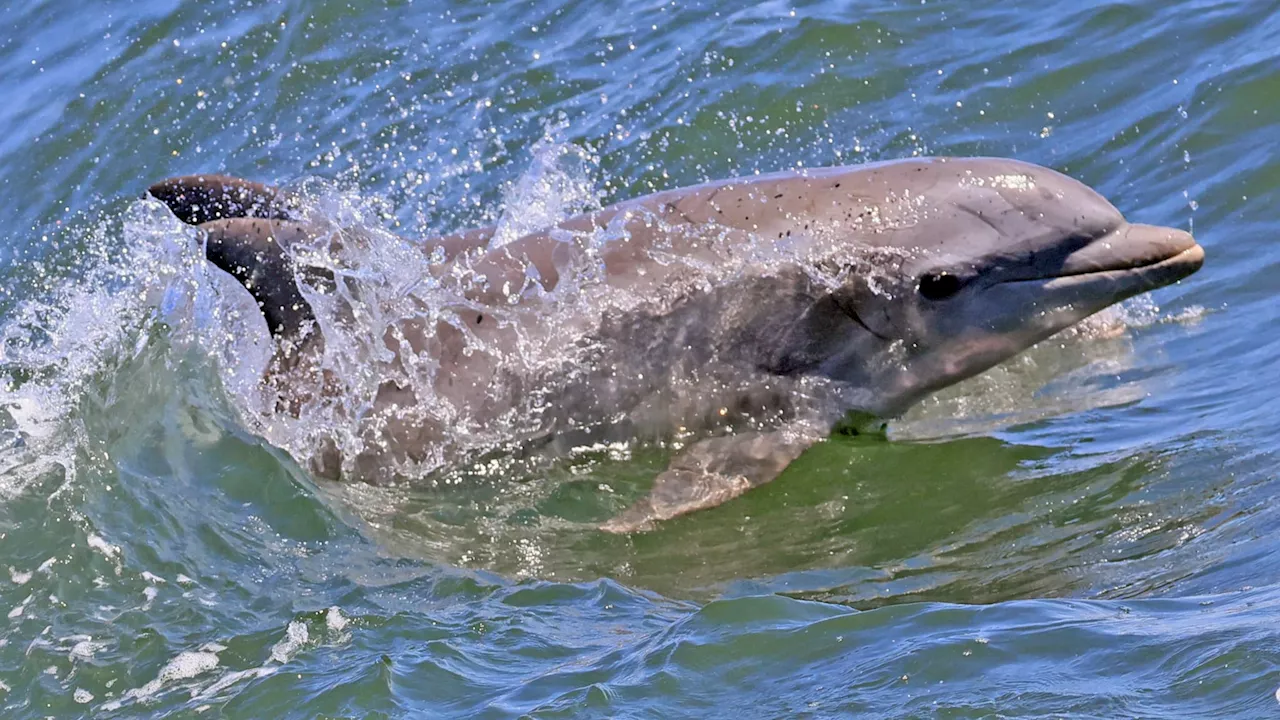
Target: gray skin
903	277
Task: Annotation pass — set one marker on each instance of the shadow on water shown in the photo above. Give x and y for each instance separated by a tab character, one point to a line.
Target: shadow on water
858	521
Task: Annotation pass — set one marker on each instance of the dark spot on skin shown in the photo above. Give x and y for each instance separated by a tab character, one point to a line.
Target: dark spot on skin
776	197
837	184
479	319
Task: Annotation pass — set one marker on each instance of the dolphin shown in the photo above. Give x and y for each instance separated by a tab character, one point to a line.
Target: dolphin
760	314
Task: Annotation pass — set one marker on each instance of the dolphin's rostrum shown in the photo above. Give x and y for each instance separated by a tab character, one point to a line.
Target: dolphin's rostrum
883	283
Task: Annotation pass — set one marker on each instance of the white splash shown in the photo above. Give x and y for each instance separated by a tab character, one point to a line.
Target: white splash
85	649
141	286
20	608
296	636
112	552
335	621
557	185
188	664
53	347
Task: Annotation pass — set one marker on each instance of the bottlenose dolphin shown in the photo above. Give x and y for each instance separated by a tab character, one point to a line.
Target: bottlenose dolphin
760	313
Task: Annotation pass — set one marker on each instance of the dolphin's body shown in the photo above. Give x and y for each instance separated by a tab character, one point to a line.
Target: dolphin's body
757	313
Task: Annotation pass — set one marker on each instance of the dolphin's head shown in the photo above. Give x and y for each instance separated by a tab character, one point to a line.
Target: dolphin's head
974	260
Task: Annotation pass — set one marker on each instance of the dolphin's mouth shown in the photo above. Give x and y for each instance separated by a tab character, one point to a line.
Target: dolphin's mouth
1152	256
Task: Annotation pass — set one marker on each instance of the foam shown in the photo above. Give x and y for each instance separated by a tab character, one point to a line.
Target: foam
296	636
185	666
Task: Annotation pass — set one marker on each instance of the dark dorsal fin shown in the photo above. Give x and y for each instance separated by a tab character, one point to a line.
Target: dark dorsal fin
253	251
197	199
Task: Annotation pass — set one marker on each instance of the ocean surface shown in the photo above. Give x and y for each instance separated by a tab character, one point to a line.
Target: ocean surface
1087	531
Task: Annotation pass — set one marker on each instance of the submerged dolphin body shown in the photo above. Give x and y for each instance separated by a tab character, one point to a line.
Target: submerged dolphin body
879	284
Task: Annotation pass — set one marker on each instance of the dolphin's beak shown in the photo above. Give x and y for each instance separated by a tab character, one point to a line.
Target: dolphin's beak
1129	260
1158	252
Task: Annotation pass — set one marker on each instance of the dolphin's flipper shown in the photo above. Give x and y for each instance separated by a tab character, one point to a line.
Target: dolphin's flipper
714	471
197	199
254	251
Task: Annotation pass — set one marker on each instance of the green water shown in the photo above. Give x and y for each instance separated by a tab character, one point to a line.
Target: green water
1086	532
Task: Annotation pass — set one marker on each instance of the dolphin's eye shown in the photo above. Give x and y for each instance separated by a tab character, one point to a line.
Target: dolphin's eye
939	285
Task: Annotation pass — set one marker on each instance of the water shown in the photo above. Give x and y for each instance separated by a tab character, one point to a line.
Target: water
1085	531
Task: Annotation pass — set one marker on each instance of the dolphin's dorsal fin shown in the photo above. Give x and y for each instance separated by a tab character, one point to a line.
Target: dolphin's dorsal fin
197	199
254	251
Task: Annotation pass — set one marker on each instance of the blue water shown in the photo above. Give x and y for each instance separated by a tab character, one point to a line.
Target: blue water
1085	532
